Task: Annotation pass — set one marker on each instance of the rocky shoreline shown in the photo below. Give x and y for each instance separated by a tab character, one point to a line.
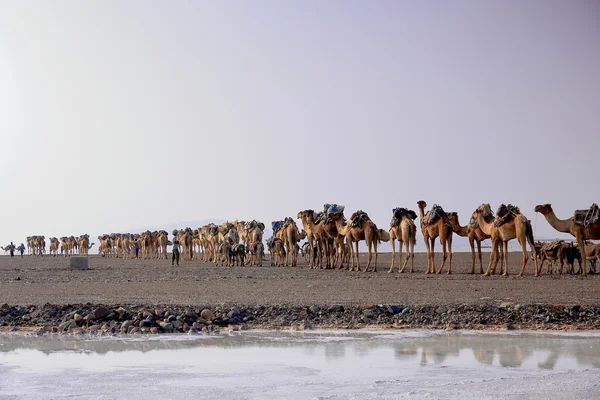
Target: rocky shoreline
142	319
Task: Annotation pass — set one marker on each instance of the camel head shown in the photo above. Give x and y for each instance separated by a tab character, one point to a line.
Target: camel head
453	217
422	204
305	214
485	210
545	209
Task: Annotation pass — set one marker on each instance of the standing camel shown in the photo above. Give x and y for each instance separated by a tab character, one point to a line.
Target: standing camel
434	224
365	230
475	235
570	225
402	227
516	226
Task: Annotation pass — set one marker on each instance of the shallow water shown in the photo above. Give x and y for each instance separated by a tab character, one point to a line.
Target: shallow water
300	365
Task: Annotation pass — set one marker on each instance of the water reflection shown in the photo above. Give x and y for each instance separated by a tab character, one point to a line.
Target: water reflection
416	348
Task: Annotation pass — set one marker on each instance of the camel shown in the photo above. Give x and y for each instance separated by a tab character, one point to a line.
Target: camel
84	244
277	250
323	238
257	252
581	233
290	234
405	232
517	226
54	246
475	235
364	230
224	255
162	240
440	227
314	233
239	254
7	248
551	252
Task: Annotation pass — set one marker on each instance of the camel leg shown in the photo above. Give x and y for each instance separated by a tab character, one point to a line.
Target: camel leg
375	248
433	255
369	259
480	258
529	239
444	254
472	244
450	253
428	247
505	261
356	257
412	255
392	240
400	244
493	257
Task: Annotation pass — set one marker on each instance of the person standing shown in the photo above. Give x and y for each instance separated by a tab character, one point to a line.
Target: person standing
21	249
175	257
12	249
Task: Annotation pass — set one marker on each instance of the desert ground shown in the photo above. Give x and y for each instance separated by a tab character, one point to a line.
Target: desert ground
41	280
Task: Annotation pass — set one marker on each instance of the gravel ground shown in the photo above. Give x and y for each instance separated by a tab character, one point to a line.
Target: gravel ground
40	280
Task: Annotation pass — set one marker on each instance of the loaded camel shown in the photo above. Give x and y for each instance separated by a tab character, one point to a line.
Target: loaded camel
362	229
403	229
504	228
473	232
436	224
582	230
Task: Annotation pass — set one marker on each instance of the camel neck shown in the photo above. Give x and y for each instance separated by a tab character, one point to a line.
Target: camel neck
561	225
485	226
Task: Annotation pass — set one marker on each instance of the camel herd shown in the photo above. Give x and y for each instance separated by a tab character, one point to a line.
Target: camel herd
332	240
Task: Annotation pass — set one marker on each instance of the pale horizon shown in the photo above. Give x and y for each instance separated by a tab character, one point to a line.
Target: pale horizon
121	115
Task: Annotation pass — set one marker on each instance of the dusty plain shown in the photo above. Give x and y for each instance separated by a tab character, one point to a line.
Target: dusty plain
110	281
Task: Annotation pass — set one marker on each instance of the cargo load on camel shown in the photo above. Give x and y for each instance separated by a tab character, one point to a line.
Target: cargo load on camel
400	212
589	217
358	217
435	214
331	208
506	213
551	246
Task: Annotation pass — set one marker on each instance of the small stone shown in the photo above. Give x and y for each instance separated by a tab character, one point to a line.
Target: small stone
518	307
159	313
505	304
125	326
207	314
405	311
336	308
154	330
367	313
395	309
177	324
510	327
134	330
167	327
77	317
441	310
314	310
191	314
145	323
303	312
66	325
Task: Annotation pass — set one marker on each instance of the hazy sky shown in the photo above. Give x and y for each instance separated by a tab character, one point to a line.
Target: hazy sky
118	114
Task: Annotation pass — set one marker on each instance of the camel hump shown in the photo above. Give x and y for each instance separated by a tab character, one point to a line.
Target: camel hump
588	217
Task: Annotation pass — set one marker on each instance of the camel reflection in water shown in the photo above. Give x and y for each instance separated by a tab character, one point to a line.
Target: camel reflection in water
509	351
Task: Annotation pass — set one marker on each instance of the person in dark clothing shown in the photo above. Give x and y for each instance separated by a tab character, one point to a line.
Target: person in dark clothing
175	257
12	249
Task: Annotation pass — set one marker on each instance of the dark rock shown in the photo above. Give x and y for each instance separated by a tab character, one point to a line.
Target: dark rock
395	309
145	323
99	313
336	308
314	310
125	326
